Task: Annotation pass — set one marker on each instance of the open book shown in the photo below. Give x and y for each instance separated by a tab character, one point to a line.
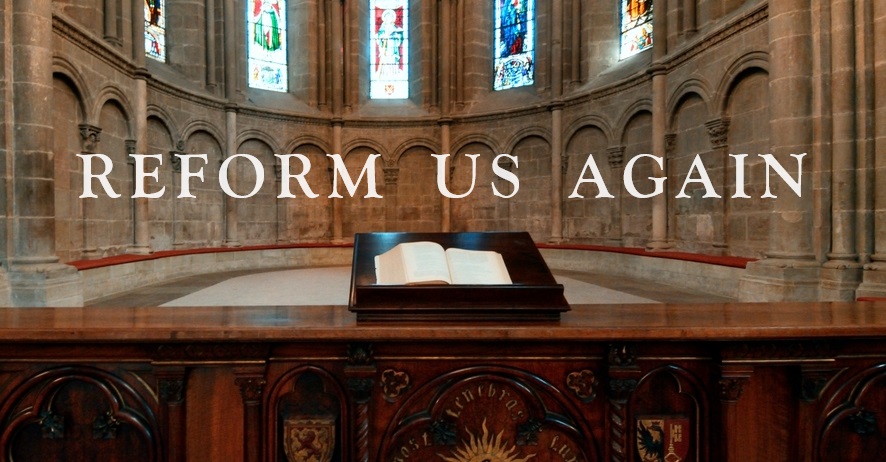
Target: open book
415	263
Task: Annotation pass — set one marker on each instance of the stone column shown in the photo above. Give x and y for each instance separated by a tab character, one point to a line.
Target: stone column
446	148
232	217
210	44
718	132
842	271
141	213
872	24
659	126
446	101
392	173
336	202
615	155
36	278
659	109
576	43
790	271
111	13
556	121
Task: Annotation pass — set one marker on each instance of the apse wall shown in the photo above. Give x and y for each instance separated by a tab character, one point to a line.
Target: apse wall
717	103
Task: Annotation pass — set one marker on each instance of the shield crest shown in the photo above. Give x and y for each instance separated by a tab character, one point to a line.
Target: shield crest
309	440
663	438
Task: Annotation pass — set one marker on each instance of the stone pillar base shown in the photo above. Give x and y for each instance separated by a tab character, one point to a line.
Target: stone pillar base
653	246
873	284
839	282
232	244
139	250
780	280
45	284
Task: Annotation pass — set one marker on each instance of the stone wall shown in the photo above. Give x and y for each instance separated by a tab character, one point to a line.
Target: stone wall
703	90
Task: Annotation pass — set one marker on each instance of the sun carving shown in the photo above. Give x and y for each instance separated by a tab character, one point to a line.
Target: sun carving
485	448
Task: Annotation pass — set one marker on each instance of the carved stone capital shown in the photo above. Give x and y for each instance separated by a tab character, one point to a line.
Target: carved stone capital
718	131
130	146
90	136
391	175
616	156
670	140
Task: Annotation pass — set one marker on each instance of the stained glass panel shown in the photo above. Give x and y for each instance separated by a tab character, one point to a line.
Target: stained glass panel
636	26
514	43
266	47
389	49
155	29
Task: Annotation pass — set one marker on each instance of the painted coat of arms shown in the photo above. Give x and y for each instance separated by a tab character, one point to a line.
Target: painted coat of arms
663	438
309	440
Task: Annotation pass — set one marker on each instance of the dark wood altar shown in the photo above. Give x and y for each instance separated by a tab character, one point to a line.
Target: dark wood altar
743	382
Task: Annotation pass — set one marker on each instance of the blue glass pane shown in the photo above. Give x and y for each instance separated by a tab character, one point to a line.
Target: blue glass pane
514	43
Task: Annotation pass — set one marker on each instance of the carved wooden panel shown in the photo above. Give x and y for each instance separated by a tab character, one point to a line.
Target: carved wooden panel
854	427
477	414
78	413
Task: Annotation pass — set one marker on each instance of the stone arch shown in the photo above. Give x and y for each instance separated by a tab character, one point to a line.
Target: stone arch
203	126
367	143
428	143
165	118
67	72
686	90
590	120
256	135
525	133
307	140
478	138
113	95
638	107
755	61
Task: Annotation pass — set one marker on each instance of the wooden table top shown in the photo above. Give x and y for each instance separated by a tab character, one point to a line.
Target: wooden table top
731	321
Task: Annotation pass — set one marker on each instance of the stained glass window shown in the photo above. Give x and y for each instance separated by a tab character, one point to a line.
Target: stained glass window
636	26
514	43
266	47
155	29
388	49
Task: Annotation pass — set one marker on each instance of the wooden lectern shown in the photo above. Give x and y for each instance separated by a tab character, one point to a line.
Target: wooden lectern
534	294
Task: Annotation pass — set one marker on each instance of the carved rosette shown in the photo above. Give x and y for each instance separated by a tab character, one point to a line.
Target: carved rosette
583	383
718	131
394	383
616	156
90	136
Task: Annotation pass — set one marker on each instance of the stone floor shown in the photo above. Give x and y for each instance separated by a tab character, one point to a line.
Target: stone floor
323	286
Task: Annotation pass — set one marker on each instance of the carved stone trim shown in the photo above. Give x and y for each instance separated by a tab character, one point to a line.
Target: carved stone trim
583	383
718	131
394	383
90	137
616	156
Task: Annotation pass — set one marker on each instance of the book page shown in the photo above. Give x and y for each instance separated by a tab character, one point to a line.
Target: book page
477	267
389	268
425	263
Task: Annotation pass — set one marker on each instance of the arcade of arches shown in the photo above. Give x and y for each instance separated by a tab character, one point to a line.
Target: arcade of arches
723	77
